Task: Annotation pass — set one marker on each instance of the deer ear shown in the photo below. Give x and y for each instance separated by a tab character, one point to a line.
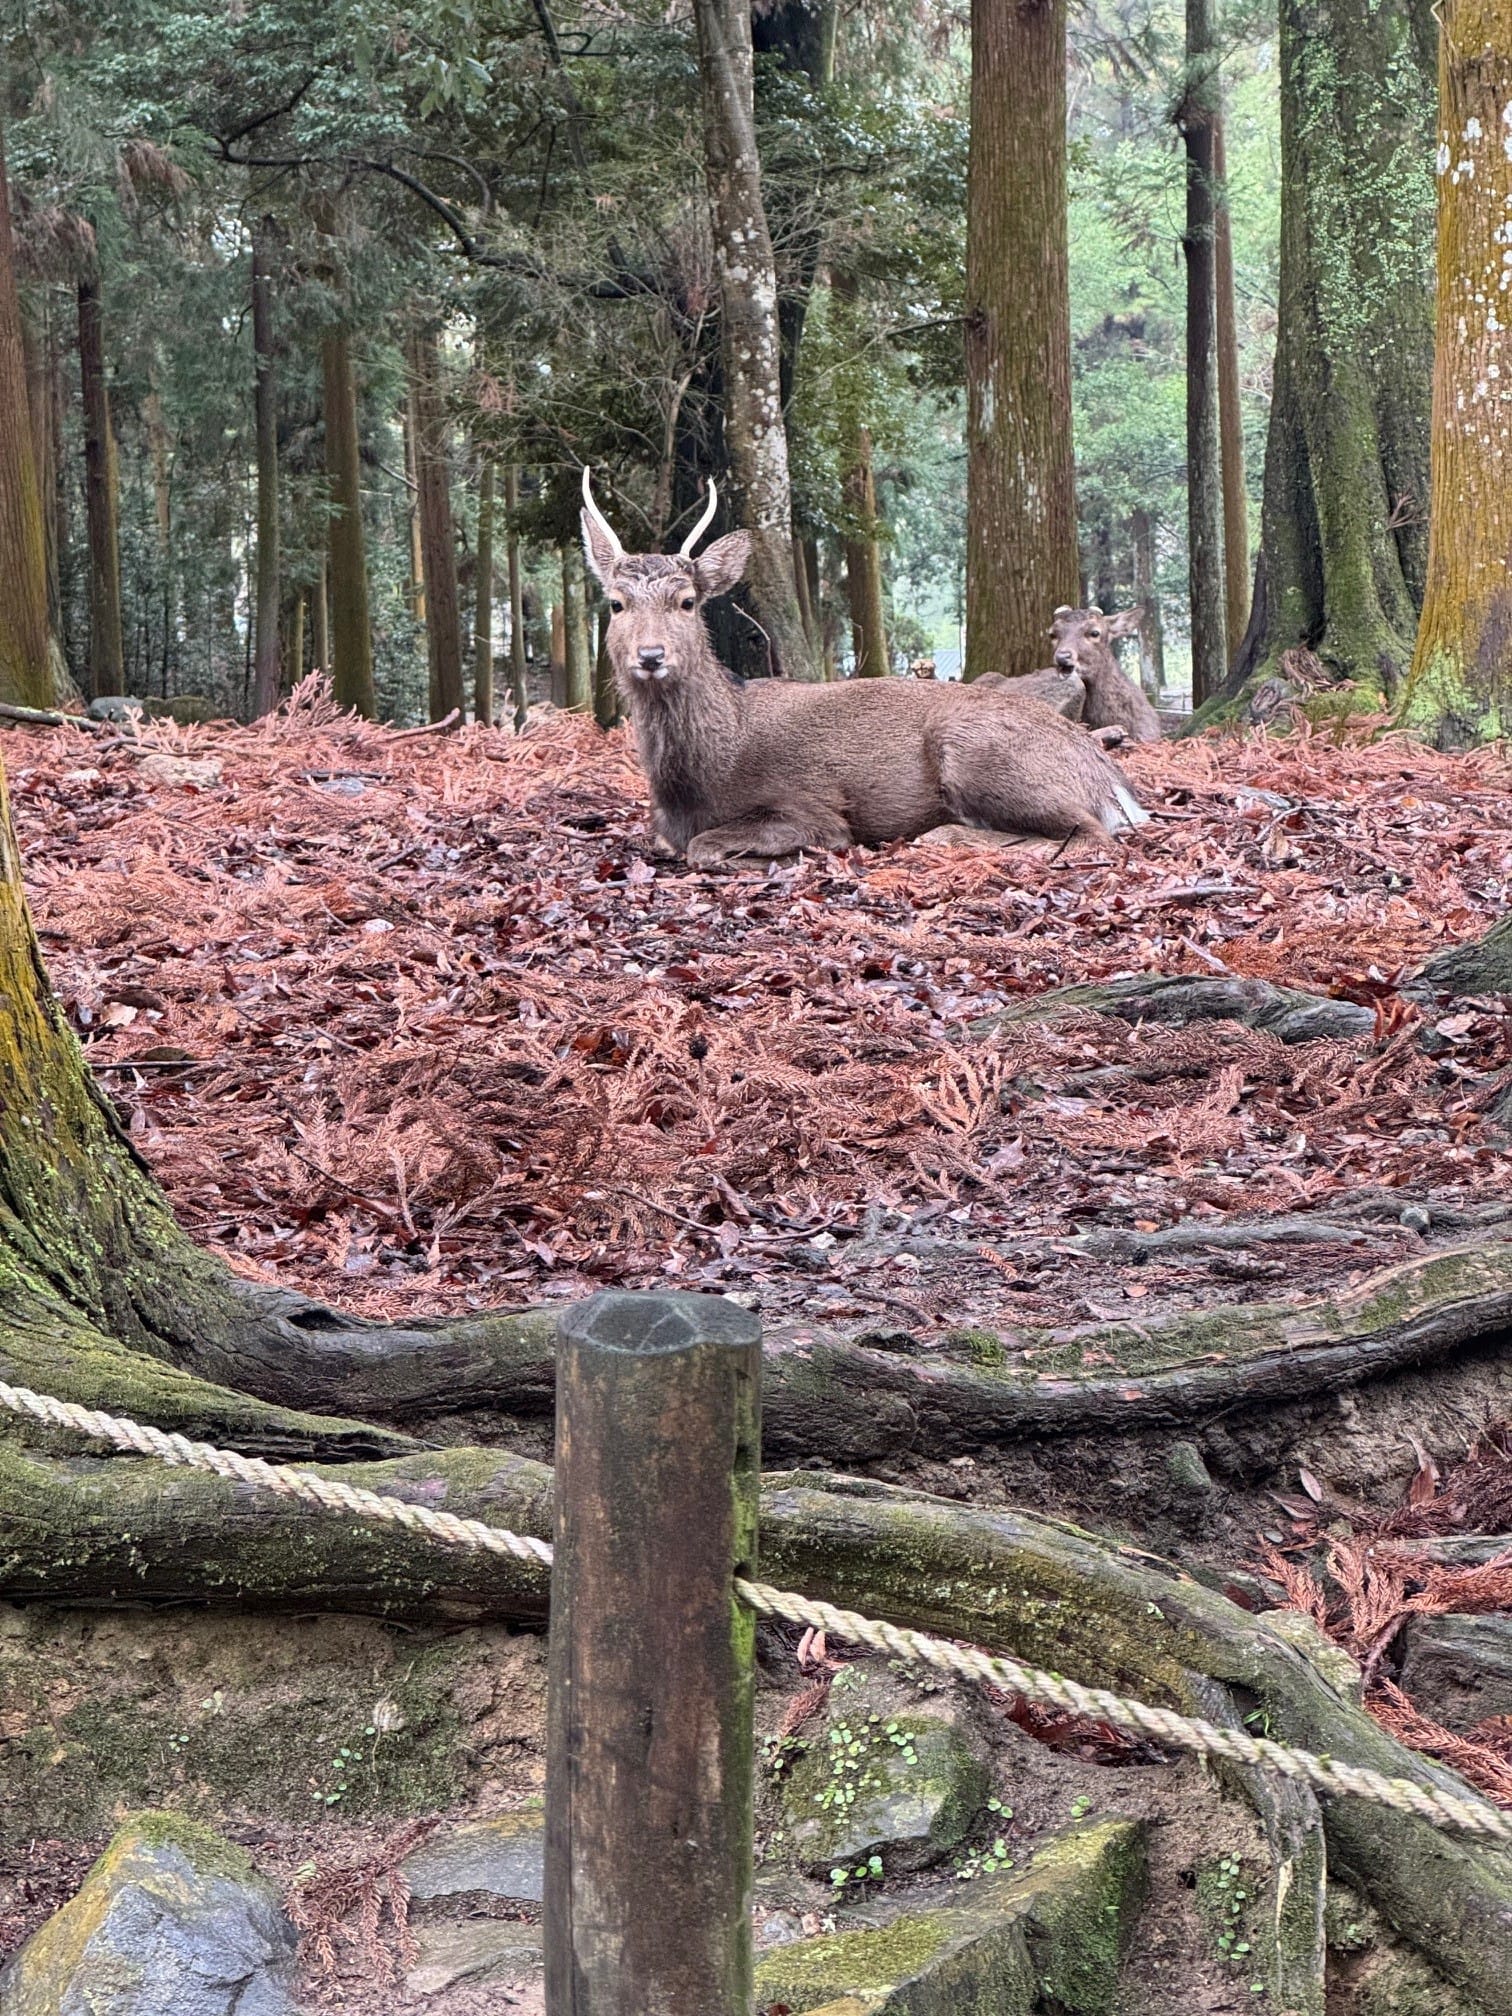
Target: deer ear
1126	622
601	555
721	566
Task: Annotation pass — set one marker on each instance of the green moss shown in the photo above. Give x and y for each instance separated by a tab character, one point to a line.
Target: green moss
981	1347
208	1852
1084	1915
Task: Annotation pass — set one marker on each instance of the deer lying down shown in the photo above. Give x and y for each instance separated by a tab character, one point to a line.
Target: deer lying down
1084	650
769	768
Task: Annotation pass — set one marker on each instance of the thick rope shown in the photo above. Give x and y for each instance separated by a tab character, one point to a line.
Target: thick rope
322	1491
1440	1808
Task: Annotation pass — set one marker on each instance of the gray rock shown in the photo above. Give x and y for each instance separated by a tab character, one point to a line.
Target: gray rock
171	1921
477	1949
881	1779
1459	1669
503	1857
1186	1469
115	707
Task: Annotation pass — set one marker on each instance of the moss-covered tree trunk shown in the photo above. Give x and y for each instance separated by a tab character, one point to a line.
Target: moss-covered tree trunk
1460	689
107	658
266	668
751	349
1345	498
1236	565
25	666
1151	629
351	635
1204	442
863	564
1021	558
320	620
438	540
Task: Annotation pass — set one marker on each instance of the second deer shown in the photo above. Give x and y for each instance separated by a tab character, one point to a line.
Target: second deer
1084	640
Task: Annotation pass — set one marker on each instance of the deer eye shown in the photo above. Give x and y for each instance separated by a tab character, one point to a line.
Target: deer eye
688	602
1094	635
616	607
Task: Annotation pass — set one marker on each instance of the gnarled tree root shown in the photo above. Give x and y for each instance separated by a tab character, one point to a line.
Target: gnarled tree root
93	1529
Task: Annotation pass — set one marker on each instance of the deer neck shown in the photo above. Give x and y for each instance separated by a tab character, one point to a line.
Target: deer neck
688	734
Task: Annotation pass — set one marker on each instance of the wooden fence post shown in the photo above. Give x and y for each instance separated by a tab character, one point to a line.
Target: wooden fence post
649	1726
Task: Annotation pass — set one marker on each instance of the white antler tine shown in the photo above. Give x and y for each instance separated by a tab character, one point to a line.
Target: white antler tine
598	517
685	551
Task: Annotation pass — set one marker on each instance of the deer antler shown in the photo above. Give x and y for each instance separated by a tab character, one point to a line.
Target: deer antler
685	551
598	517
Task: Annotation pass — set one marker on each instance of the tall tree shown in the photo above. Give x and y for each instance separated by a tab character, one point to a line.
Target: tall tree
25	668
483	596
863	563
266	669
1021	559
350	630
1460	688
1343	534
750	341
576	654
1236	559
107	656
1205	499
518	661
438	541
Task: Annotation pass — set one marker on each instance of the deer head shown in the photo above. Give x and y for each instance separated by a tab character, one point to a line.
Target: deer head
656	626
1084	638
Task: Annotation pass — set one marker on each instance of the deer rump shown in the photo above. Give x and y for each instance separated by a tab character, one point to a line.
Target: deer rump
771	768
870	761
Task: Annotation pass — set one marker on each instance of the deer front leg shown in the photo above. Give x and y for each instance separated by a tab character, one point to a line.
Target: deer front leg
769	833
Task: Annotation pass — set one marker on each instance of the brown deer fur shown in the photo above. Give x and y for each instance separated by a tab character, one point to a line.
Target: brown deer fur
768	768
1084	640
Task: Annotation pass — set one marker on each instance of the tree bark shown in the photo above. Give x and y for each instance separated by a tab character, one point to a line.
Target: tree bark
438	543
25	665
863	565
411	477
755	426
107	659
576	658
1236	561
351	635
1205	488
483	598
1345	496
606	703
518	664
1021	559
295	666
267	671
1151	629
320	621
1460	689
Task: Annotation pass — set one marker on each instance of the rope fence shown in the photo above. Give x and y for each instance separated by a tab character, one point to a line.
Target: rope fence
1329	1775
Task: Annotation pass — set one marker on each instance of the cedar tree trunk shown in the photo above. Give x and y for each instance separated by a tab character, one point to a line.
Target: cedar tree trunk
1236	567
518	663
576	655
1344	514
438	544
1021	559
25	665
483	601
1205	497
755	427
351	638
266	669
863	564
1460	689
107	658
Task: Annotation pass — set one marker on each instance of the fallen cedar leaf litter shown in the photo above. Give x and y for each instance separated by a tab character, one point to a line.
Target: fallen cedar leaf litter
425	1024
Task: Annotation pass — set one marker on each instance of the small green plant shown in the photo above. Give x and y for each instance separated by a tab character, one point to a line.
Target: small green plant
854	1752
995	1855
869	1871
1226	1898
340	1764
1081	1805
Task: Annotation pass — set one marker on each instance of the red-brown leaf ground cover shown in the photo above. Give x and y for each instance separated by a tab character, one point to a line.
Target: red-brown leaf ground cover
424	1024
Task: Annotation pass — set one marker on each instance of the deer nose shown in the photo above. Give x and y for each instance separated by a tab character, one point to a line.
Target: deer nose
652	656
1065	660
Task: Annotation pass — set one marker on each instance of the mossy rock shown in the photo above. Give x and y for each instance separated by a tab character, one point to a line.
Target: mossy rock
171	1921
1372	1973
879	1780
1054	1931
504	1857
